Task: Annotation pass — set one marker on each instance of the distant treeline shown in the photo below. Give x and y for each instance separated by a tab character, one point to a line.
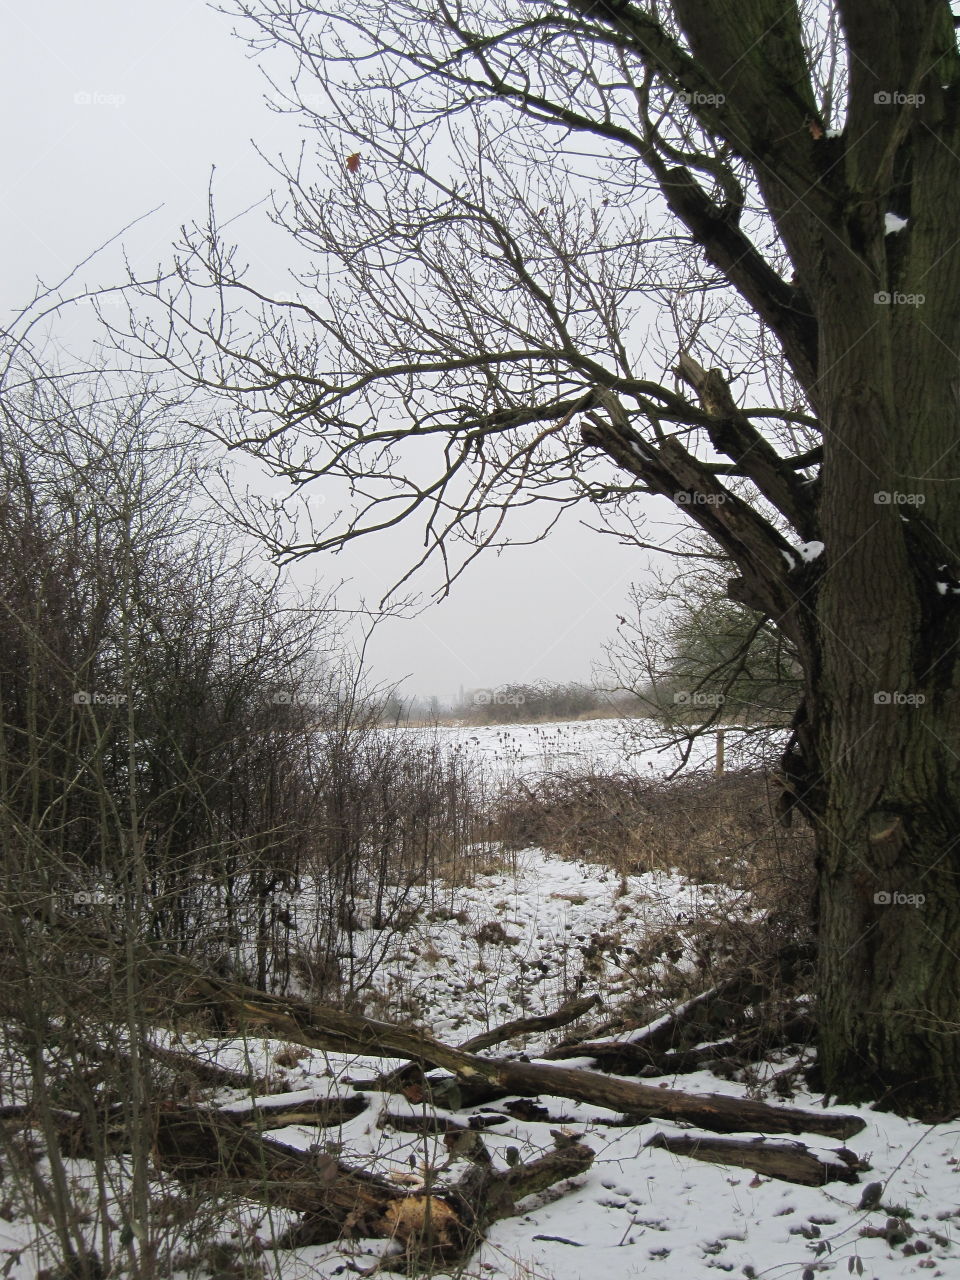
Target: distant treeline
520	702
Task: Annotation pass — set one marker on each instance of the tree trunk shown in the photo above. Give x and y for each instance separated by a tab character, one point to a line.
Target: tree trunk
885	668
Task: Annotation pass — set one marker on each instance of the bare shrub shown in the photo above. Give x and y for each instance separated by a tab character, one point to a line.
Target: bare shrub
399	817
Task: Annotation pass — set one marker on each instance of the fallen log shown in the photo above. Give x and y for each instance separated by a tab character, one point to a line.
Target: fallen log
108	1129
633	1057
324	1027
567	1013
76	1135
717	1009
438	1126
324	1113
718	1112
490	1195
788	1161
432	1225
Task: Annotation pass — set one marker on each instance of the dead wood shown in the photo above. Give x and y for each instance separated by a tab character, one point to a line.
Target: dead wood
788	1161
490	1195
709	1014
321	1112
439	1126
106	1129
567	1013
432	1225
324	1027
636	1057
78	1136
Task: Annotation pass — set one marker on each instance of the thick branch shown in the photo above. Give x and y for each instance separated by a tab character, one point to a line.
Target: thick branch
756	547
731	432
788	1161
778	304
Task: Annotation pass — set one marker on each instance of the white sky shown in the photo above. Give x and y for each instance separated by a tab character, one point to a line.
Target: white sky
113	109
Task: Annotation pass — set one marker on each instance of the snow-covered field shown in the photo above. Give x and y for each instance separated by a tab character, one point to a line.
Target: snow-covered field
615	745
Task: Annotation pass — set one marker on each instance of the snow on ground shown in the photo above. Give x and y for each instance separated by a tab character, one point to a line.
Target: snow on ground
528	931
647	1212
638	1211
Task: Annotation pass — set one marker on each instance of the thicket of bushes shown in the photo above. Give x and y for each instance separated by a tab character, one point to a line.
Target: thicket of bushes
182	743
189	760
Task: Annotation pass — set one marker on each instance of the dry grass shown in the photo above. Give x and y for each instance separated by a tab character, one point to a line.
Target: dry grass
711	830
703	826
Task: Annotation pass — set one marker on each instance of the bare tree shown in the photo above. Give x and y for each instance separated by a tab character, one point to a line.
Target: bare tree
705	252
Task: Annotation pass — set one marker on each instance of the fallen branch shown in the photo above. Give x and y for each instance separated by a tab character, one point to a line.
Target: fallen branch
322	1112
437	1126
633	1057
567	1013
788	1161
701	1017
80	1135
323	1027
440	1225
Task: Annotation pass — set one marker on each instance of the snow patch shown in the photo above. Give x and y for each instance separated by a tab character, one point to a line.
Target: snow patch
892	223
810	550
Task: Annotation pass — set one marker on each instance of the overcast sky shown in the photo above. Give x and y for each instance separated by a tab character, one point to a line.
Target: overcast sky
116	109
